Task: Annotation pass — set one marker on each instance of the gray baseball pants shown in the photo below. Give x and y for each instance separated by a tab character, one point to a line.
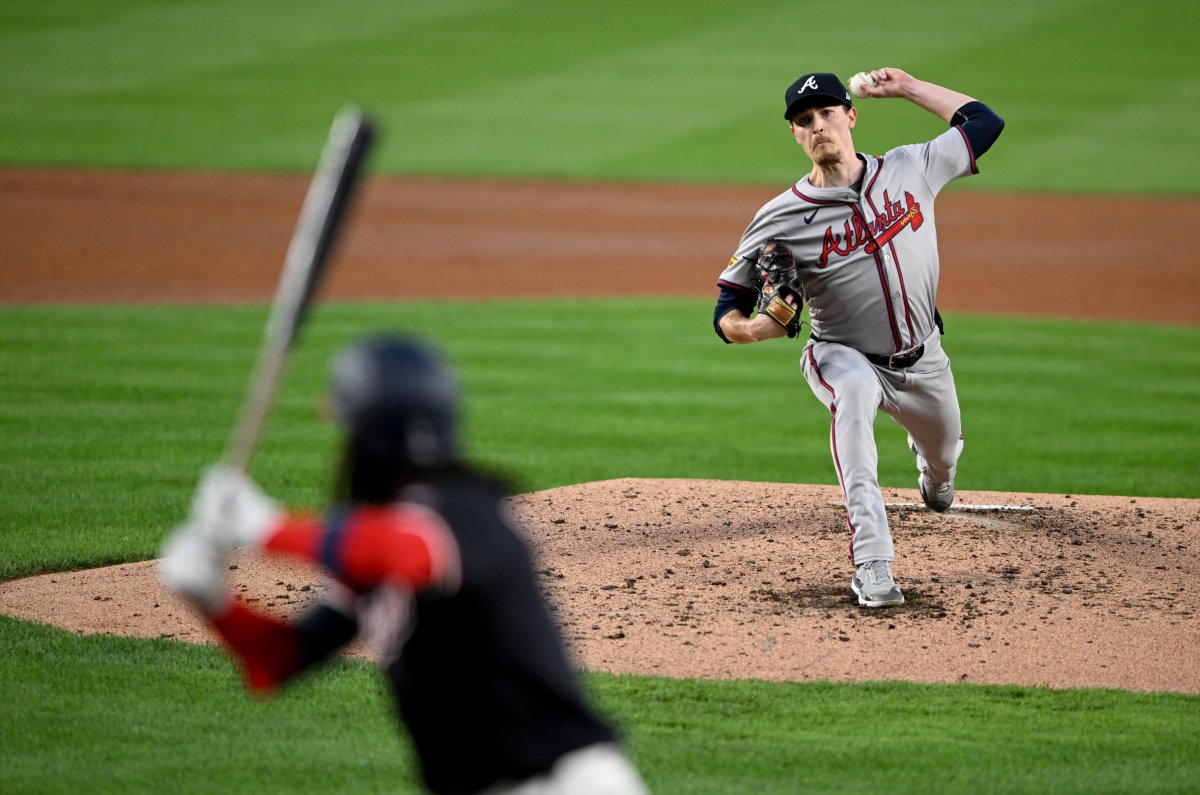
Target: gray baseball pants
921	398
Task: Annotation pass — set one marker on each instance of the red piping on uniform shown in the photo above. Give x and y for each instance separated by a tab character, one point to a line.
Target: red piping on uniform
887	298
970	151
818	201
871	184
734	286
912	335
904	291
837	462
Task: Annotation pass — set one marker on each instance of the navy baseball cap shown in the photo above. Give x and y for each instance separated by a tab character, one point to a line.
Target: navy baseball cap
816	89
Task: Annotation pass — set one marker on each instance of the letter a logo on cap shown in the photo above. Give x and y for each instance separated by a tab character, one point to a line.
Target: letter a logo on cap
809	83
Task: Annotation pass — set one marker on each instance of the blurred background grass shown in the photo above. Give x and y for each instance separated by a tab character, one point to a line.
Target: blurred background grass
1099	95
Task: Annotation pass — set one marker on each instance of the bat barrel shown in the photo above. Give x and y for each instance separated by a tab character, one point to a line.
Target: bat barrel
329	193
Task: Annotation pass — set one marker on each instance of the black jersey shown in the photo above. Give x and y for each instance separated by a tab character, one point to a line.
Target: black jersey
484	684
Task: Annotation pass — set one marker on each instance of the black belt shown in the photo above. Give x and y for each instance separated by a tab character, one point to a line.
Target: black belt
897	361
894	361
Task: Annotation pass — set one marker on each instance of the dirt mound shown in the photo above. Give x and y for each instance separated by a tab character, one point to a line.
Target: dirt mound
719	579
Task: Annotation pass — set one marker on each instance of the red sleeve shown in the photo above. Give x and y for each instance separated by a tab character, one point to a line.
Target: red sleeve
404	544
298	535
270	650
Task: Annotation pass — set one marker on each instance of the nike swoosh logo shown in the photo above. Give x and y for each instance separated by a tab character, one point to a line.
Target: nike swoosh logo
808	219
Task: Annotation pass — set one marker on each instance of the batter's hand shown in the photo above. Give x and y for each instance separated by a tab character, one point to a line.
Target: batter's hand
231	508
192	567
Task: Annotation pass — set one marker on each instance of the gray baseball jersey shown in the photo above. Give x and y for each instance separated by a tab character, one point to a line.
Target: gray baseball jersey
868	260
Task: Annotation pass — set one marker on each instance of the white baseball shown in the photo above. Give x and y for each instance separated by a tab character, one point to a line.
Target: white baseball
858	81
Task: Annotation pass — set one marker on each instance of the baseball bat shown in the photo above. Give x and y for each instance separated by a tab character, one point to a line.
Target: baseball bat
329	193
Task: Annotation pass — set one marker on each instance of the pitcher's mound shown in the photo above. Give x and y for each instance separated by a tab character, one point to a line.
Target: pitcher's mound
720	579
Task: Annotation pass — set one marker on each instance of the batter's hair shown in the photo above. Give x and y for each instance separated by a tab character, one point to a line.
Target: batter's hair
359	481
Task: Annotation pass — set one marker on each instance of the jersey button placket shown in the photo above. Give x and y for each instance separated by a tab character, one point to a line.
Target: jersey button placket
887	257
894	282
884	264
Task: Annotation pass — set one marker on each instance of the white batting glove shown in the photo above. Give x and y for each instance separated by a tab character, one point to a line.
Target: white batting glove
231	508
192	566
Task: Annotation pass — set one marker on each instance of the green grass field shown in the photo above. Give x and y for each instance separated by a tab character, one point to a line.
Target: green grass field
1099	95
334	733
107	415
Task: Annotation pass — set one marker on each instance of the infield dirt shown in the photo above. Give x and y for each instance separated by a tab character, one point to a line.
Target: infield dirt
682	578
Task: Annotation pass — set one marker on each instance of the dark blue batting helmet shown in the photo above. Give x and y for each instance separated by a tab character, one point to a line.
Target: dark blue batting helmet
398	401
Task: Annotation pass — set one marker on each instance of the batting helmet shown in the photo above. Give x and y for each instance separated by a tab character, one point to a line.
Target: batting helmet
399	403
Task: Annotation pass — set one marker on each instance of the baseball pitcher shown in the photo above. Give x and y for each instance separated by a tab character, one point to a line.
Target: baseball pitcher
856	239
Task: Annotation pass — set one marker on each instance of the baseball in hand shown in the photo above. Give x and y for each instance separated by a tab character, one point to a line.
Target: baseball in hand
858	81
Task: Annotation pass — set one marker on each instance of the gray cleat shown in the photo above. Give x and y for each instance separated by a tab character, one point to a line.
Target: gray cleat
937	496
872	583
